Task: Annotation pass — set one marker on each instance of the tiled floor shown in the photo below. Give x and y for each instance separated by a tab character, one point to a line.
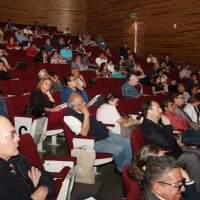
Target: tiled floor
108	182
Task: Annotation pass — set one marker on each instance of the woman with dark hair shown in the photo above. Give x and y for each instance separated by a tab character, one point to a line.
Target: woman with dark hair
108	114
12	44
42	56
42	100
157	86
103	71
138	167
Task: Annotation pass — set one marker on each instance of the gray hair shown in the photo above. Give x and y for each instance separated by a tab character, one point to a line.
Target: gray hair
73	100
41	73
158	167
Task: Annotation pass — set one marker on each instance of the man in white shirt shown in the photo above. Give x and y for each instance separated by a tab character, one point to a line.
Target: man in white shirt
101	59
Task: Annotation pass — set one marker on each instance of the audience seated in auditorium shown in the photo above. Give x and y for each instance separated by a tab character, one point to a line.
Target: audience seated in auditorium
73	87
4	74
57	58
193	81
36	34
101	42
138	71
152	128
48	47
77	63
179	105
79	38
195	91
129	89
168	62
67	31
181	127
107	113
151	58
56	84
20	36
110	65
2	57
153	72
66	53
103	71
32	50
130	63
185	72
181	89
81	122
41	100
123	51
88	41
19	179
42	56
85	34
87	61
12	44
80	49
191	108
138	168
162	79
108	53
10	26
101	59
30	40
120	67
118	72
60	43
164	67
157	86
78	77
160	172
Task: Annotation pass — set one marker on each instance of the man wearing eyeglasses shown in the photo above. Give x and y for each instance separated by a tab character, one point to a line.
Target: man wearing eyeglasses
156	129
164	180
18	179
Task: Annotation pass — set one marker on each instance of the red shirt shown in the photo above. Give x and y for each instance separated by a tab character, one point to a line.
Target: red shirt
31	52
11	46
178	122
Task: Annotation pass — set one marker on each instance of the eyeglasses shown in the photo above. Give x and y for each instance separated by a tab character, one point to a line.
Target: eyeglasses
177	185
11	134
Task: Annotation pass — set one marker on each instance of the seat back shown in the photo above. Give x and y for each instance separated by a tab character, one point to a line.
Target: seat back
38	129
28	148
131	188
137	140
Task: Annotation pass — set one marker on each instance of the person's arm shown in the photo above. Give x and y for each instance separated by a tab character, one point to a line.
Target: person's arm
83	81
86	121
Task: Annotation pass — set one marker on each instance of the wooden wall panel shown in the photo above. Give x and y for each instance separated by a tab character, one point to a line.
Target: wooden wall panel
60	13
112	19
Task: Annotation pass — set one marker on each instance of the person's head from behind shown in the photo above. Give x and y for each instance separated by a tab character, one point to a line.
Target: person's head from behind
42	74
178	98
75	102
75	72
138	167
53	76
163	177
44	85
103	67
151	110
112	99
71	82
2	65
133	80
194	100
8	139
168	106
181	87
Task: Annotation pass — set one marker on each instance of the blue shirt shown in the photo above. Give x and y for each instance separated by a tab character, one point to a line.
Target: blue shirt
67	91
130	91
20	38
66	53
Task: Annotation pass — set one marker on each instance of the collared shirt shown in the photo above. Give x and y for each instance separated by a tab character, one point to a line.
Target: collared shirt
178	122
130	91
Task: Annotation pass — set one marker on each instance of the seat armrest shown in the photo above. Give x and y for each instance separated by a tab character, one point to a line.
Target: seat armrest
61	158
84	137
58	165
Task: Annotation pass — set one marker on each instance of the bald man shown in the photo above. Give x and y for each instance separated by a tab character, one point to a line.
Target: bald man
18	179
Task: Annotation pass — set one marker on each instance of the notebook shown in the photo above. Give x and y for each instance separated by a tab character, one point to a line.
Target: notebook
21	65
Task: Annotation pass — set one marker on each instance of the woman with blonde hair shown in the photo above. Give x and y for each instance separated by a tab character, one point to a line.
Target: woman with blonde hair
41	100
